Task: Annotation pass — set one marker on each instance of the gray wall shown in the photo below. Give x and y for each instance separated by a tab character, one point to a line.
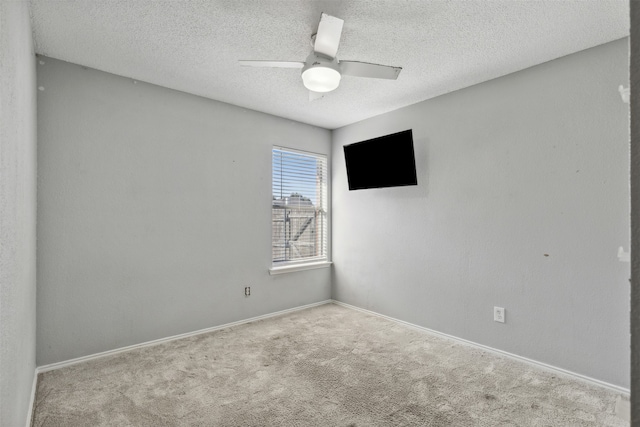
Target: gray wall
17	213
635	210
154	213
529	164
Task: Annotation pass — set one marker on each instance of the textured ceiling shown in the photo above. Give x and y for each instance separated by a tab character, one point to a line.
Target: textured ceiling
193	46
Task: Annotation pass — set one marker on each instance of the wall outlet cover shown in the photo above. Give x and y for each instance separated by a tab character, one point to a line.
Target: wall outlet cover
499	314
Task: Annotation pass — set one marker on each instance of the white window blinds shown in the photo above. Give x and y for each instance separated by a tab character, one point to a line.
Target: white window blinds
299	206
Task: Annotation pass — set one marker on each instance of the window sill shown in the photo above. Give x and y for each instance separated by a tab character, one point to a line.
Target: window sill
299	267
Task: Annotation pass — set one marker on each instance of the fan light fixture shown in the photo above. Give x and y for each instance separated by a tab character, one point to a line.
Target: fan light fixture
321	71
320	78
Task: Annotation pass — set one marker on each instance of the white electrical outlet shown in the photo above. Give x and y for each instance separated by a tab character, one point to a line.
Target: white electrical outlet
498	314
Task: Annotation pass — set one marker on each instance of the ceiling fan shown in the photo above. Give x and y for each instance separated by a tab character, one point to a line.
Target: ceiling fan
321	71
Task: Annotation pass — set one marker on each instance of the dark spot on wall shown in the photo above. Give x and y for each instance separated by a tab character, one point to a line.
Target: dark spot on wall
546	254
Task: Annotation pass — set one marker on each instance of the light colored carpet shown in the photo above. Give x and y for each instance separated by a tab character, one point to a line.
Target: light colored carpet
324	366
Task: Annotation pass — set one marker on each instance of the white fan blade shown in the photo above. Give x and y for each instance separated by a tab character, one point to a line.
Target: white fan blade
364	69
271	64
328	35
315	95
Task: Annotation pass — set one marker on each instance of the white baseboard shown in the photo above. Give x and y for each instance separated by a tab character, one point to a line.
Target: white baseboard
593	381
32	398
58	365
63	364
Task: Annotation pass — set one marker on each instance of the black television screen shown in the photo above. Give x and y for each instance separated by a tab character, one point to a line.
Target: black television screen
386	161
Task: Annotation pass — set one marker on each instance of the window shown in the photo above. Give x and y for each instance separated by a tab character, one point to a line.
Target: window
299	207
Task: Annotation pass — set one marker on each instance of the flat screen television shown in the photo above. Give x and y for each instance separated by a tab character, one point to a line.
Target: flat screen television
386	161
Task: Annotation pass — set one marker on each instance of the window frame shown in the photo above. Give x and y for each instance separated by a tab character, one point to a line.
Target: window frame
323	261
